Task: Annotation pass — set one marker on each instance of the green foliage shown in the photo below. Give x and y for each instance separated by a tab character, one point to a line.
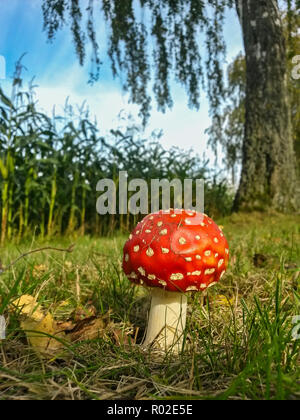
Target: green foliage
227	129
49	168
238	351
147	34
293	44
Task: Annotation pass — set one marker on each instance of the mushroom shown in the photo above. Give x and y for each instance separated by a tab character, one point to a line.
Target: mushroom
174	252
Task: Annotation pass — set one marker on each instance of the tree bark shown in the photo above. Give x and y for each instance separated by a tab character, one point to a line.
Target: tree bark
268	178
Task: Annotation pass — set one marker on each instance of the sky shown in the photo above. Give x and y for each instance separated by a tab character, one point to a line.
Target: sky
58	75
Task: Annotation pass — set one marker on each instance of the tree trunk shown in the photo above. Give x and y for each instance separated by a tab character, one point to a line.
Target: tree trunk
268	178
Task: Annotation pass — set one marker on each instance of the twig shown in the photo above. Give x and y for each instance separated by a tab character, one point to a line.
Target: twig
47	248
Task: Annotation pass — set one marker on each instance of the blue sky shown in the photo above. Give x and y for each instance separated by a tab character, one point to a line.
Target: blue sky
58	75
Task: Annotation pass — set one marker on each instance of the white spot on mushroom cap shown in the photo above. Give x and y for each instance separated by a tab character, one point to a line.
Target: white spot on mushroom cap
159	224
220	263
196	273
138	232
191	289
203	286
163	232
209	271
147	231
198	257
130	236
126	257
182	241
150	252
136	248
197	237
132	275
212	284
226	251
165	250
142	271
173	215
188	259
188	222
151	276
207	253
216	240
162	282
176	276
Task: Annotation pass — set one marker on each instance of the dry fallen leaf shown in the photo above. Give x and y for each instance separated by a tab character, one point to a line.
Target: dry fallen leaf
223	300
41	329
39	270
68	265
27	306
83	312
47	336
43	336
88	329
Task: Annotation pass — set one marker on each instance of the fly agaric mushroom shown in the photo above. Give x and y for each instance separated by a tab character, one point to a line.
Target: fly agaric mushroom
174	252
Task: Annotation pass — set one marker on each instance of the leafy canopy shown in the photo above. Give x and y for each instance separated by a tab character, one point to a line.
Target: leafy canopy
149	40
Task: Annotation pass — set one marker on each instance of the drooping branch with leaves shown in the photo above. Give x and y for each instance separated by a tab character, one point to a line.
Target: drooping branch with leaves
229	133
152	42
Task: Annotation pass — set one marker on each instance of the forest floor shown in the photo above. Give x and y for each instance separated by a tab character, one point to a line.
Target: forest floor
241	340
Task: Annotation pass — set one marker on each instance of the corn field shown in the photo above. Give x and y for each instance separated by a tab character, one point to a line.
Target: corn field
50	167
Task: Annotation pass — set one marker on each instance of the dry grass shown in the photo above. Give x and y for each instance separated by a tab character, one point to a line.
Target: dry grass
244	350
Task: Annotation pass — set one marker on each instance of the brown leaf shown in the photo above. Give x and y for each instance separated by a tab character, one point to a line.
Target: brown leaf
83	312
290	265
88	329
260	260
39	270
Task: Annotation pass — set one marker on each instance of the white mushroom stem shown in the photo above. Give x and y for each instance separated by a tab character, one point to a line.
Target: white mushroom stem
167	319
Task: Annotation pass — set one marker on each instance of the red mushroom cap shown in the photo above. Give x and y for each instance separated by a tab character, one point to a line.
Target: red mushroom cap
178	250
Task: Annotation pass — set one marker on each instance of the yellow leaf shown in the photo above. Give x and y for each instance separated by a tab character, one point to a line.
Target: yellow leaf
43	335
39	269
28	307
223	300
41	330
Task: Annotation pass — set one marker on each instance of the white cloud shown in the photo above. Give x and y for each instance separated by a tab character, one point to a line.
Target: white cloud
181	126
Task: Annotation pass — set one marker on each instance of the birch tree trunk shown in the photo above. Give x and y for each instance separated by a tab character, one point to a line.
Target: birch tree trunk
268	178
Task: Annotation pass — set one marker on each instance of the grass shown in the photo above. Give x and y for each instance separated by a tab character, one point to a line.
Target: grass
242	350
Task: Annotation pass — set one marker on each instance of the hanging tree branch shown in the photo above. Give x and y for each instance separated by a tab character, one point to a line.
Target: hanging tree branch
170	28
